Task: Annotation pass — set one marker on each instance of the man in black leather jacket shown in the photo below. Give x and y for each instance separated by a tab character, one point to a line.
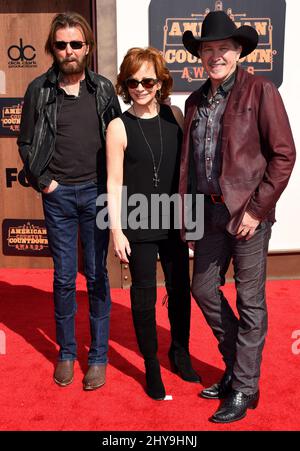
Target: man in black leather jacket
62	144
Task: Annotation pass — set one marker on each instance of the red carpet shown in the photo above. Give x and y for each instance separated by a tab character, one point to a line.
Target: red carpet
29	400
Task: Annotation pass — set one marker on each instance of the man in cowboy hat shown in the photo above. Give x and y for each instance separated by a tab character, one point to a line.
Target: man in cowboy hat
239	152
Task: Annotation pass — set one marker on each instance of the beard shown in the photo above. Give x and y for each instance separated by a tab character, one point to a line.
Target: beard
69	66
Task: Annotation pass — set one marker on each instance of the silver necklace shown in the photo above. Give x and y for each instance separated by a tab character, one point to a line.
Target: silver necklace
155	179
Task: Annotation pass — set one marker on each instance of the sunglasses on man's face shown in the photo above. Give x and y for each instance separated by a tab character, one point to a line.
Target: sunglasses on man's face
75	45
147	83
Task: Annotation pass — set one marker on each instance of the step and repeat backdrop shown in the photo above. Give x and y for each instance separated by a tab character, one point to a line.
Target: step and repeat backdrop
24	27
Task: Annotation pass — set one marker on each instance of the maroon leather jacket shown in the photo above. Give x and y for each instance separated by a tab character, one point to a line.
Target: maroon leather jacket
258	150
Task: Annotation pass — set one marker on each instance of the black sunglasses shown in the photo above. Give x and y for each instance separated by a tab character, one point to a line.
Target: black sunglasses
75	45
147	83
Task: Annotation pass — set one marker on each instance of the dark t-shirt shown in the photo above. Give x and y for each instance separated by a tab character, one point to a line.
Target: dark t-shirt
78	143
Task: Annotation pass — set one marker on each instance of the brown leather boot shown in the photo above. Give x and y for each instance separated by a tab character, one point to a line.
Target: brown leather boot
64	372
95	377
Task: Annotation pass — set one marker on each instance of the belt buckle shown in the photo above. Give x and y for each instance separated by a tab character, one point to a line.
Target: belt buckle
217	198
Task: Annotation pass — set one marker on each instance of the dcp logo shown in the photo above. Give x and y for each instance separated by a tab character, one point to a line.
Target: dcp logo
21	52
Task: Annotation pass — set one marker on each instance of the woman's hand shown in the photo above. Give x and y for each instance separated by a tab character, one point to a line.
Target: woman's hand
121	246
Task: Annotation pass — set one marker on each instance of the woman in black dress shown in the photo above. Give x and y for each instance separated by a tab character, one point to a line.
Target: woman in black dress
143	152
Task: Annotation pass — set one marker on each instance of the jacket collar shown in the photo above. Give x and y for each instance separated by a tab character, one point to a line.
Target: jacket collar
237	89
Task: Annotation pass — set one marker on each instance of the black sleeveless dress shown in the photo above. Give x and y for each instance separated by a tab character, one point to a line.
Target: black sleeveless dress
139	173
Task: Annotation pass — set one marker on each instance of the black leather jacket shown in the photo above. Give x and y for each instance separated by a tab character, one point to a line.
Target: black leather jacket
36	140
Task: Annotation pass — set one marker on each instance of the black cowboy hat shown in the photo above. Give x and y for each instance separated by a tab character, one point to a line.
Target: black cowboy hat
217	26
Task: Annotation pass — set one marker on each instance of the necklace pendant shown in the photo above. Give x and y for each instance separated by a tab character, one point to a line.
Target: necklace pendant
156	180
155	167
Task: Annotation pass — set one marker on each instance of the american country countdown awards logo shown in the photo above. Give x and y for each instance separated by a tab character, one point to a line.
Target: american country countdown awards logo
169	20
25	237
10	111
21	55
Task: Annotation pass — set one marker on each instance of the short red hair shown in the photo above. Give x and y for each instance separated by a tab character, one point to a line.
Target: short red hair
132	62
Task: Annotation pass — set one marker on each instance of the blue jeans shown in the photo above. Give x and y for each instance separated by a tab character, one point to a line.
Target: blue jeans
70	209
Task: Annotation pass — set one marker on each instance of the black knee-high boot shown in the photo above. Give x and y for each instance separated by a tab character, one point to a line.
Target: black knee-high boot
145	328
179	312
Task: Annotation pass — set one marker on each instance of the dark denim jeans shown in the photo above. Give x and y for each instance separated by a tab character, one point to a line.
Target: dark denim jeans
69	210
241	340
